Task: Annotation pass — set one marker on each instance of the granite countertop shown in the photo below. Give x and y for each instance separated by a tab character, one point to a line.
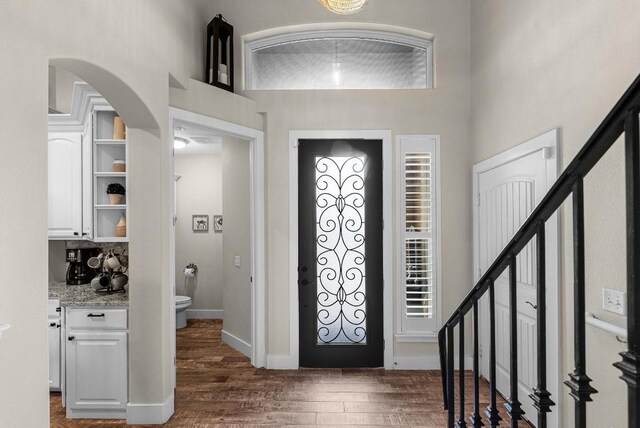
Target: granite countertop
85	295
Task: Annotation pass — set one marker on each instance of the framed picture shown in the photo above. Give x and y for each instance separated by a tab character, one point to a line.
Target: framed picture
200	223
217	223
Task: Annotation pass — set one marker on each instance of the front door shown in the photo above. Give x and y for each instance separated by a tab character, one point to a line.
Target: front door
340	253
507	194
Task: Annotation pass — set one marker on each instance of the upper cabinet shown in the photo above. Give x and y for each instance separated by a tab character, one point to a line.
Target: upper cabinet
88	171
65	185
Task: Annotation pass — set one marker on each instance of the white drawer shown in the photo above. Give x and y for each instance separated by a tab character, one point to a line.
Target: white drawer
52	308
97	318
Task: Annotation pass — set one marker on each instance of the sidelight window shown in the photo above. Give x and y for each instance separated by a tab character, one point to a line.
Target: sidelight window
418	290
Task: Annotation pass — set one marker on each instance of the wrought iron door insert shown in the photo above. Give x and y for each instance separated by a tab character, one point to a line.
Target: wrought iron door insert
340	253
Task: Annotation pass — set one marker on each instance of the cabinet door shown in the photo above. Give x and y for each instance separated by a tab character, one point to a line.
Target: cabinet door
65	185
54	354
96	371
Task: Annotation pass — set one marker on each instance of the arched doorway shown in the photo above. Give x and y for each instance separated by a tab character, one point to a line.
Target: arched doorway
148	364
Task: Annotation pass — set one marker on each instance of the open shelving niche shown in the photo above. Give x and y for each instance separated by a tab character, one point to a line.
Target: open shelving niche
105	151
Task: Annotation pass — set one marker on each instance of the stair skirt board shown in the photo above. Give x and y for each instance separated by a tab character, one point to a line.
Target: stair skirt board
205	314
237	344
156	413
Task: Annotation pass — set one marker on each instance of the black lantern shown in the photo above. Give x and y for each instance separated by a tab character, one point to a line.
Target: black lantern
219	70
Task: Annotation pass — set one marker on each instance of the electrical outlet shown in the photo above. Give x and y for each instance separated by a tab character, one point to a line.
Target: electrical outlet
614	301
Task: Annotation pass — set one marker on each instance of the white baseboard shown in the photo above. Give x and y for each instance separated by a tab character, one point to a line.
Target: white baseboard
236	343
156	413
427	362
281	362
205	314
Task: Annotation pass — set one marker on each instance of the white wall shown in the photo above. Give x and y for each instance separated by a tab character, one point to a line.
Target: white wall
199	191
127	51
547	64
443	110
236	202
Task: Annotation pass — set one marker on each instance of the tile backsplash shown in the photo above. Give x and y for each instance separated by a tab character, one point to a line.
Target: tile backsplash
58	255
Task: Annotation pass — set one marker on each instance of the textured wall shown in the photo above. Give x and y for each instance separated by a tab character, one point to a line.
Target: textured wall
126	50
236	202
444	110
199	191
547	64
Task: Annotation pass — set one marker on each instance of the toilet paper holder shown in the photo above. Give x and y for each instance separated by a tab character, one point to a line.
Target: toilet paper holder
191	270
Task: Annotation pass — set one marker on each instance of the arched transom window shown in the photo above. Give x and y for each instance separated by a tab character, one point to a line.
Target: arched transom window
344	59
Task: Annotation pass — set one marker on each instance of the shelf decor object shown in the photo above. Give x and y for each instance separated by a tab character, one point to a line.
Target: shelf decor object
344	7
119	128
116	192
121	227
219	64
119	165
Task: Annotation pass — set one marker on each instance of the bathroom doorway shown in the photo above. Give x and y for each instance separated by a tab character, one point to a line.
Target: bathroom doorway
217	229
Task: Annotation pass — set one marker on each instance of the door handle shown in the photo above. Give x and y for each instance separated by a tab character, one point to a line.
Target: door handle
531	304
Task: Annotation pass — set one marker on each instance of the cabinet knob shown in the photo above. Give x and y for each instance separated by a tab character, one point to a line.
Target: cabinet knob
75	233
71	338
84	233
52	324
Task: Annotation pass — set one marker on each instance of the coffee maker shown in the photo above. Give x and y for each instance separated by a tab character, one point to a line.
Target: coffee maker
77	270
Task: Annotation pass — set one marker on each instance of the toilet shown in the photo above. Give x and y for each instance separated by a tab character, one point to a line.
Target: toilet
182	303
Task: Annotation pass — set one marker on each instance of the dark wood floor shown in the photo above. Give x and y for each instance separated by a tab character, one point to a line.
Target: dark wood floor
217	386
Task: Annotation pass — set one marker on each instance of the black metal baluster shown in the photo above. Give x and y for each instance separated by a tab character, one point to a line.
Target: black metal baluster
461	422
630	364
443	366
578	381
514	410
541	397
476	419
492	411
450	393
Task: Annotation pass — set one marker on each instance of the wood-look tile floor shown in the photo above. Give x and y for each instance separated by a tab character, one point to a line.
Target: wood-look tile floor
217	386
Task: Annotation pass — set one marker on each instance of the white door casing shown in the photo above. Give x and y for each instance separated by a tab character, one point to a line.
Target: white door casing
507	188
258	242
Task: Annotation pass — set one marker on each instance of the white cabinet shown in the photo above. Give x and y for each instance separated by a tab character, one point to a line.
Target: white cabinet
65	185
54	324
70	174
96	363
110	156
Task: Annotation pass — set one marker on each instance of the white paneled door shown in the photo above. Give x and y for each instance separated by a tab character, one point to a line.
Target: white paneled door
507	193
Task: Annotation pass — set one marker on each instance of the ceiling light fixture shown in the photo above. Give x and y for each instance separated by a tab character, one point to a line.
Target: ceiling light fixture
180	143
344	7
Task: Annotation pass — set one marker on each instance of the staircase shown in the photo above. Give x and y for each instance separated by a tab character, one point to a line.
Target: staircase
623	119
